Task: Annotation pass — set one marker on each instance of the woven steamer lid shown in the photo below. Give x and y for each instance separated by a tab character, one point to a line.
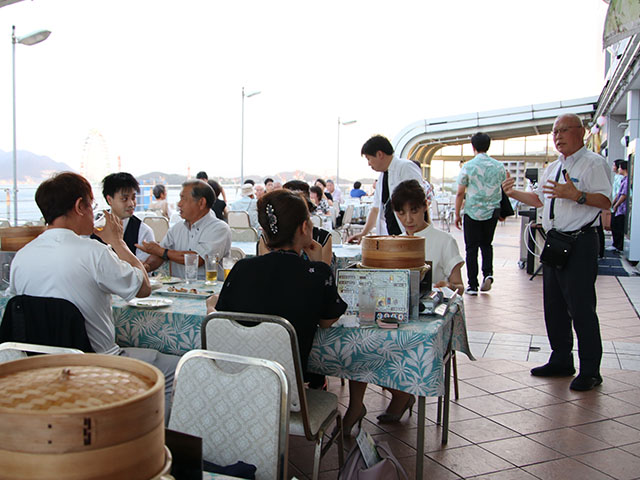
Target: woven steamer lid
70	388
81	416
393	251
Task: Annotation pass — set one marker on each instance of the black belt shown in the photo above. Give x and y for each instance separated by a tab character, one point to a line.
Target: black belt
582	230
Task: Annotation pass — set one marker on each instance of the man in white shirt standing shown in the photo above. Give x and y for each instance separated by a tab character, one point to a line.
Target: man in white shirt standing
571	193
201	232
119	190
62	263
379	153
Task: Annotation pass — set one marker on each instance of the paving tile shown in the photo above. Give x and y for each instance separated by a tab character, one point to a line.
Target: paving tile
480	430
511	474
631	420
431	470
565	469
488	405
610	431
494	383
569	441
529	398
521	451
568	414
432	438
607	406
469	461
634	448
615	462
525	422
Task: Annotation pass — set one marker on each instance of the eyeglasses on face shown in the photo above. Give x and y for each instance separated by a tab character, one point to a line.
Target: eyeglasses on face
563	130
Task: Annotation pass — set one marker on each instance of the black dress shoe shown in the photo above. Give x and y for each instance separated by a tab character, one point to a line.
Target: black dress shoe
552	370
584	382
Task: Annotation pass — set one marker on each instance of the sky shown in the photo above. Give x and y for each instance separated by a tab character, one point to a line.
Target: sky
161	80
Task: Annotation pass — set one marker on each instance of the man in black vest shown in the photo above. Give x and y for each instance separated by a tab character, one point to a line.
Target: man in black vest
119	190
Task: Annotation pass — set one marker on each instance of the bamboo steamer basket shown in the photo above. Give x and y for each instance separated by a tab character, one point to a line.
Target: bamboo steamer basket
393	252
13	239
81	417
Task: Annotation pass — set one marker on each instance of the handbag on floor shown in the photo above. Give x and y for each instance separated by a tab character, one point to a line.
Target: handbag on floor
388	468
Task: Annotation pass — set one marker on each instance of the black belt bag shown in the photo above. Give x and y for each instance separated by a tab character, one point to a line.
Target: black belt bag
557	248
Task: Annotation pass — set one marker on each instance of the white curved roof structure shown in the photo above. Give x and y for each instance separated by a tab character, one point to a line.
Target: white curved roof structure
421	140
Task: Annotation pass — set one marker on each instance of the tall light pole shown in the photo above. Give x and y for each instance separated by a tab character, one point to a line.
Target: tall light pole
247	95
31	39
348	122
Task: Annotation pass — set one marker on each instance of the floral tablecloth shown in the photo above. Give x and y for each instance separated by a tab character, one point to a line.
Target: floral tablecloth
409	358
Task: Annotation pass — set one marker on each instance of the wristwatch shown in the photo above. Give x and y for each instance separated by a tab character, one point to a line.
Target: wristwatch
165	254
582	198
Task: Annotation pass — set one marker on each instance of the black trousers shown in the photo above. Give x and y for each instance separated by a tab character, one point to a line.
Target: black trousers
570	298
617	231
478	234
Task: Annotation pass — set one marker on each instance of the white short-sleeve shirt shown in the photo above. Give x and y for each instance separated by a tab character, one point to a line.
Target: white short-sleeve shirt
441	249
590	173
399	170
207	236
61	264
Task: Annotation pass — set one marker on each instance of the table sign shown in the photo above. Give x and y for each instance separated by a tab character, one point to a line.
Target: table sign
387	290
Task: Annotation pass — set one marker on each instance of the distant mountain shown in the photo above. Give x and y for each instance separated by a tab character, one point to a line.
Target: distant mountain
174	179
32	168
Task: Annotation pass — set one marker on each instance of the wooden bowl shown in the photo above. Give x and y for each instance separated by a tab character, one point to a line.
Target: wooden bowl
81	417
13	239
393	252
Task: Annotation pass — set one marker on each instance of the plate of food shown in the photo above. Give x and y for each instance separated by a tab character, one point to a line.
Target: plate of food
186	292
167	280
150	302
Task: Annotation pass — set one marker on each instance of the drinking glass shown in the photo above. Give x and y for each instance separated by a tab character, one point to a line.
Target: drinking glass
227	264
190	267
211	267
99	220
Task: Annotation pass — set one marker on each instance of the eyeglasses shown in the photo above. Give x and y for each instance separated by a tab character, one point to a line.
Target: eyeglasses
563	130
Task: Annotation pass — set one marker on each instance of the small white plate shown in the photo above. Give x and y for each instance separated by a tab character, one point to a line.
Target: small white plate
169	280
150	302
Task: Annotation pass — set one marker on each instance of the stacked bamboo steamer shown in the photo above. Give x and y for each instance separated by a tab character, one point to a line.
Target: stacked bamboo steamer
393	252
81	417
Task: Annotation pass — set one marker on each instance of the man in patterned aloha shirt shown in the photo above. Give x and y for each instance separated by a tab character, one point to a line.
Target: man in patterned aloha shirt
480	181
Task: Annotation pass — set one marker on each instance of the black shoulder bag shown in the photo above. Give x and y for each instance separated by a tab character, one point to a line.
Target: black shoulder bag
558	245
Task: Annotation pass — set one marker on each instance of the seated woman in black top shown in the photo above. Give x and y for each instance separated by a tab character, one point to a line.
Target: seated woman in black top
219	206
320	235
282	282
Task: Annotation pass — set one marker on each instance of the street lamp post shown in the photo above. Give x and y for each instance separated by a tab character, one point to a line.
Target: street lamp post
247	95
31	39
348	122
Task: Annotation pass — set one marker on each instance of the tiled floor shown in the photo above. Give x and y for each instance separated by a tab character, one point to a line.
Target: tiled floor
508	425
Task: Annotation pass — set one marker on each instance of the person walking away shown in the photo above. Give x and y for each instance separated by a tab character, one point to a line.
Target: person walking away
479	188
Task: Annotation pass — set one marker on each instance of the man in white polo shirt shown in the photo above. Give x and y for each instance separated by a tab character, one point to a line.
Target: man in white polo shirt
201	232
63	263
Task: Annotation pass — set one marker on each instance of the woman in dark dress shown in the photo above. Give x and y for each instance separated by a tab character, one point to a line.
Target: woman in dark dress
282	282
219	207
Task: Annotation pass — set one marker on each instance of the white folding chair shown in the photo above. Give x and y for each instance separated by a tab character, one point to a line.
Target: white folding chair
15	350
274	338
239	219
336	237
246	234
236	253
316	221
238	405
159	225
347	218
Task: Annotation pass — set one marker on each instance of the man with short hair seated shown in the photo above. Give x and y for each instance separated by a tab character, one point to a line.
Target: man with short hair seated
119	190
201	232
63	263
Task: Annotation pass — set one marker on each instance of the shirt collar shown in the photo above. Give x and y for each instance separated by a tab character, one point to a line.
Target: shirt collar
572	159
199	223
